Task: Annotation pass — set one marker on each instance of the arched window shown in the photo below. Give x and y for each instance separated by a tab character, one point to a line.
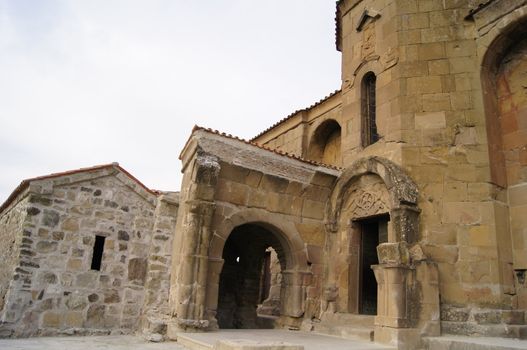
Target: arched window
368	106
325	143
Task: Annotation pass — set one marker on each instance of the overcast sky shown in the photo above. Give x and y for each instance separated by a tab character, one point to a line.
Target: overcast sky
98	81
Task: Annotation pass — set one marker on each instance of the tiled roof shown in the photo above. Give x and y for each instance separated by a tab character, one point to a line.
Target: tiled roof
295	112
275	151
25	183
338	27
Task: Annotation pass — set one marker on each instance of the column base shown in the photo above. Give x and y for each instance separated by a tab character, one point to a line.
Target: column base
176	326
401	338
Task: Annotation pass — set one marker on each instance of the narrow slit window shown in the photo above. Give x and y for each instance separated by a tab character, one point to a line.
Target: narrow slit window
369	123
98	249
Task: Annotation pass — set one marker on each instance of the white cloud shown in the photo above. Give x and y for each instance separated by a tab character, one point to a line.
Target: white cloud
91	82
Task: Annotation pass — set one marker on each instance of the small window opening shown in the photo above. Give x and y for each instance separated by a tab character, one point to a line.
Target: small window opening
369	123
98	249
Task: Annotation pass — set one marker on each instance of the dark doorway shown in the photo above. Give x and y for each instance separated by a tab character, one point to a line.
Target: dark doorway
373	232
245	277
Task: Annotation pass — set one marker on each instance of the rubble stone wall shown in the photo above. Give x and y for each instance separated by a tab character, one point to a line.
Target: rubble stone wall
11	222
54	289
156	310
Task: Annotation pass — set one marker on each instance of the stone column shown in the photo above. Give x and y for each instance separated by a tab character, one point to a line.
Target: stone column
294	292
392	295
408	296
214	272
194	221
405	224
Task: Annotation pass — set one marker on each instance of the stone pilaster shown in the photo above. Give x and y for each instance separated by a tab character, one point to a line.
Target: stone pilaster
194	221
408	297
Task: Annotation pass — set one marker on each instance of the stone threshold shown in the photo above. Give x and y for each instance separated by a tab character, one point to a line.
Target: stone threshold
272	337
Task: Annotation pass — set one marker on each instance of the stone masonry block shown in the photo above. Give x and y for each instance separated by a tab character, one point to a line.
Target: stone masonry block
432	120
274	184
313	209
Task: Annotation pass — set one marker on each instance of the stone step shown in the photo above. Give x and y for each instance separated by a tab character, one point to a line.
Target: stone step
348	332
244	344
484	330
348	319
189	342
266	321
275	339
473	343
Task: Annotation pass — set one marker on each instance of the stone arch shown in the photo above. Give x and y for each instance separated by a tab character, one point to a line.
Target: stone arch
402	190
325	143
293	255
505	37
284	230
370	64
504	81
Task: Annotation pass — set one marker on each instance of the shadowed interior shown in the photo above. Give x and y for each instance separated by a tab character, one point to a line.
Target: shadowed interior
240	289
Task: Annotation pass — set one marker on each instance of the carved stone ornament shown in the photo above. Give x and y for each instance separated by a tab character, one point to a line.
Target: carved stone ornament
368	41
365	16
367	202
389	58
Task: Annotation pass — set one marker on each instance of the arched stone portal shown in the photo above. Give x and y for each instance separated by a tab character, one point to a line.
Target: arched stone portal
372	217
240	285
246	235
504	85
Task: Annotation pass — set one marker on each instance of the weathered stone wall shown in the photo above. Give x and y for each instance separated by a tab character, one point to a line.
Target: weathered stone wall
445	151
430	103
369	41
157	287
11	223
296	134
290	137
434	120
54	289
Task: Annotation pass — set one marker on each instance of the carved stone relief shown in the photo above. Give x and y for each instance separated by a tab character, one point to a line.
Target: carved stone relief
368	41
367	197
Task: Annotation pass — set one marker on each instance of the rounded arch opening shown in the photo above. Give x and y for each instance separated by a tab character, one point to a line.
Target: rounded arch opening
503	81
325	145
250	282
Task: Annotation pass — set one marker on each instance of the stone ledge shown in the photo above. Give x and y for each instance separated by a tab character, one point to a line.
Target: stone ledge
244	344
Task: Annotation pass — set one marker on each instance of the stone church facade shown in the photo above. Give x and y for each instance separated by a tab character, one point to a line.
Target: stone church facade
394	209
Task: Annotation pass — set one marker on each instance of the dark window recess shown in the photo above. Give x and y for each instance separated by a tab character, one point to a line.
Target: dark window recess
98	249
369	123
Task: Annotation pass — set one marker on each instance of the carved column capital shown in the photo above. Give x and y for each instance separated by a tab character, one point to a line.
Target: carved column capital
331	226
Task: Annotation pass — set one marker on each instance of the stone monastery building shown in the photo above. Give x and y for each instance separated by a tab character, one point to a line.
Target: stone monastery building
394	209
